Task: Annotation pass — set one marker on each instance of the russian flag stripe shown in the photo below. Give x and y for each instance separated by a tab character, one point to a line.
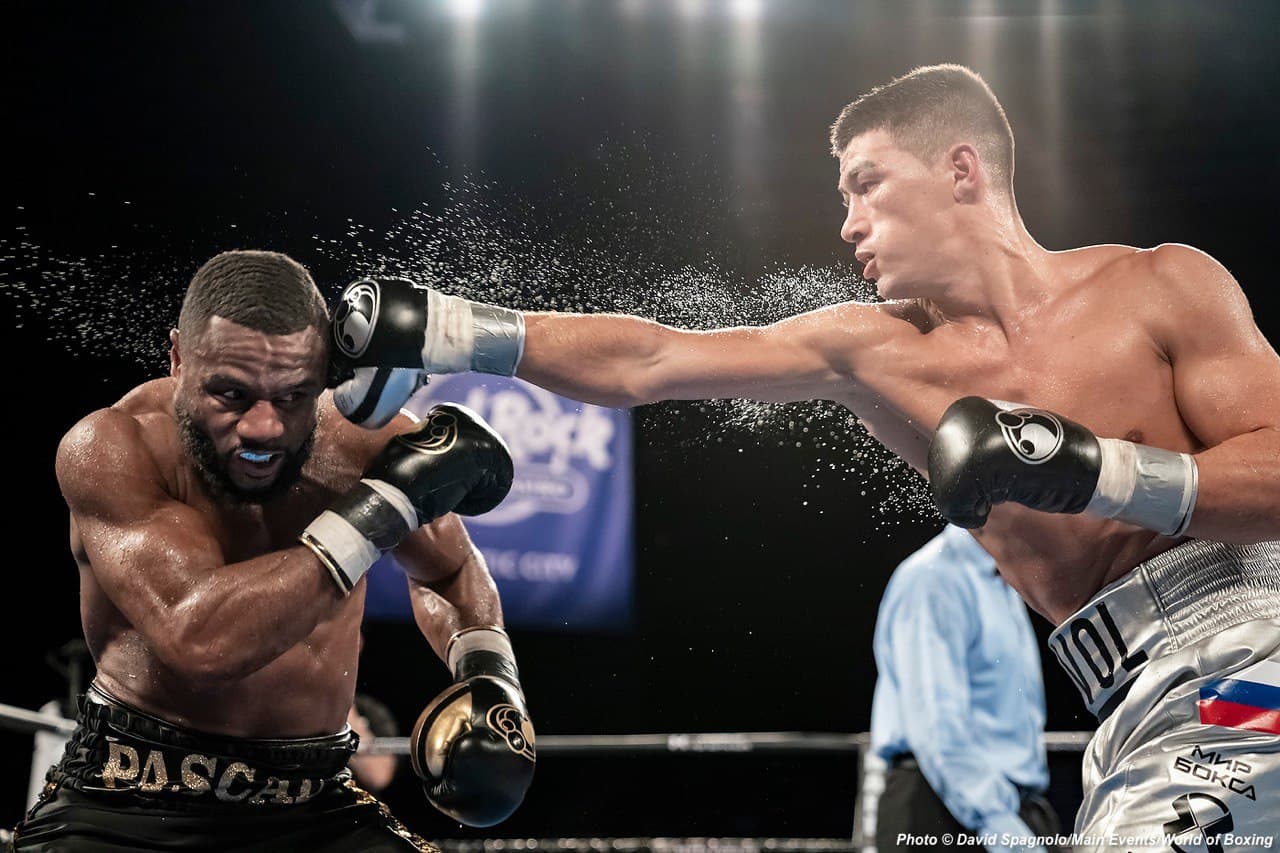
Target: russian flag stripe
1219	712
1243	693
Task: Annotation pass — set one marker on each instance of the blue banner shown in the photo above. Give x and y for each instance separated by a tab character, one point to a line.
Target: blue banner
560	547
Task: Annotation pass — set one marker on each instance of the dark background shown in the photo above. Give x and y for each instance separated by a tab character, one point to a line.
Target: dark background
145	138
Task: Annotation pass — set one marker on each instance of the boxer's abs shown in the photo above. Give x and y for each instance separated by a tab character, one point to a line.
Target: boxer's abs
1058	562
306	692
1055	562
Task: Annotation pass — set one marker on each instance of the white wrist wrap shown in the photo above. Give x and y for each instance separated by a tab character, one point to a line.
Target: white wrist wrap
343	549
1146	486
462	335
489	639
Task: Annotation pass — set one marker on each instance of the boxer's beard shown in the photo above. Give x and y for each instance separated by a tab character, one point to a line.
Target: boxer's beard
212	469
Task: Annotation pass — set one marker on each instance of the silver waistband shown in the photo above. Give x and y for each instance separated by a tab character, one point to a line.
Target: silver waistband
1171	601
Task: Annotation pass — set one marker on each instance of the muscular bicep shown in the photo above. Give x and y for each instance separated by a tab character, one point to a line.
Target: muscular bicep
145	549
1226	375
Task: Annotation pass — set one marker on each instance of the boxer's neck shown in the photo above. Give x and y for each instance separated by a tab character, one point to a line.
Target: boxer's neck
1002	274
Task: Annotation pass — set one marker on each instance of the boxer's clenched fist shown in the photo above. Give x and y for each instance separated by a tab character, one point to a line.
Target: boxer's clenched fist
450	462
473	746
987	452
391	323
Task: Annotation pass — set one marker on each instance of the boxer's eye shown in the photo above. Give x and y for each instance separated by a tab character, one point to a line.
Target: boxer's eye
289	399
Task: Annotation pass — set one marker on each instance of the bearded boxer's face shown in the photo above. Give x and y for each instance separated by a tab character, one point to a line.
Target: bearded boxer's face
899	217
246	406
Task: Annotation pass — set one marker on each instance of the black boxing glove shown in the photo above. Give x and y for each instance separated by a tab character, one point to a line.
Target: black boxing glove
452	461
390	322
473	746
988	452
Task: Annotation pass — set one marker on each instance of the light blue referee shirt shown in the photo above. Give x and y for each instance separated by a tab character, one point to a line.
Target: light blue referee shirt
960	685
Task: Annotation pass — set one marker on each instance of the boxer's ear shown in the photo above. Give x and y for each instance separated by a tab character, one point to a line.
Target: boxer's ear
175	358
967	175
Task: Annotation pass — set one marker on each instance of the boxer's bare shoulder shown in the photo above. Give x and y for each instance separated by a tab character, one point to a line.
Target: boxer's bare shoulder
1193	314
126	439
1173	280
138	436
1167	294
909	315
134	439
1200	296
867	338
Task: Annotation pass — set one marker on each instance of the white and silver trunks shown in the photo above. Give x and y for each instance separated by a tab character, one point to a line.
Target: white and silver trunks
1180	660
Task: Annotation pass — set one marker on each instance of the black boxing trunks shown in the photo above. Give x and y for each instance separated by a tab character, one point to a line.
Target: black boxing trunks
129	781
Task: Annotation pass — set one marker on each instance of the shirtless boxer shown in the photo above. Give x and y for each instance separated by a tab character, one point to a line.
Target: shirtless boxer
222	523
1172	640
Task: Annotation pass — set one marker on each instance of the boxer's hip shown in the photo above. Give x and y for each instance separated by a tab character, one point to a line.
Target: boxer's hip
129	781
123	754
1180	660
1118	645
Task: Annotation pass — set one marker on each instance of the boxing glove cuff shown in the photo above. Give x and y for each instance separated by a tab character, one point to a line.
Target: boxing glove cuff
483	650
1146	486
348	538
462	335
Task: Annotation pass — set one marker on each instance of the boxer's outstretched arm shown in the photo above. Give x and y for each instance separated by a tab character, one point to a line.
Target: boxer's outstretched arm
1227	385
615	360
161	565
449	585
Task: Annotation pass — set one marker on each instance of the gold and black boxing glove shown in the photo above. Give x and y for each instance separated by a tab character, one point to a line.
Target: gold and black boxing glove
473	746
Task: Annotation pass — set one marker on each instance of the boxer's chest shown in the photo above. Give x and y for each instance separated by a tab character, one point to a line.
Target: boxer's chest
1097	366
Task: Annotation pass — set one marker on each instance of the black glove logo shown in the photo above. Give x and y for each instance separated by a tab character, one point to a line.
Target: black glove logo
434	435
1033	435
355	317
515	727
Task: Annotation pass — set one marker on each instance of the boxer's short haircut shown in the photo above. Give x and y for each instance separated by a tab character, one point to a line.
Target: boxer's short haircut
929	109
265	291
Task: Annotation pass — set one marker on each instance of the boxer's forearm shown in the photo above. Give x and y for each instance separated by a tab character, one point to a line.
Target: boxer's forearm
604	359
1239	492
245	615
465	599
614	360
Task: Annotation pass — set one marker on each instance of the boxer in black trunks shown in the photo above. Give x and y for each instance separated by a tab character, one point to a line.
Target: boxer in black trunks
222	519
